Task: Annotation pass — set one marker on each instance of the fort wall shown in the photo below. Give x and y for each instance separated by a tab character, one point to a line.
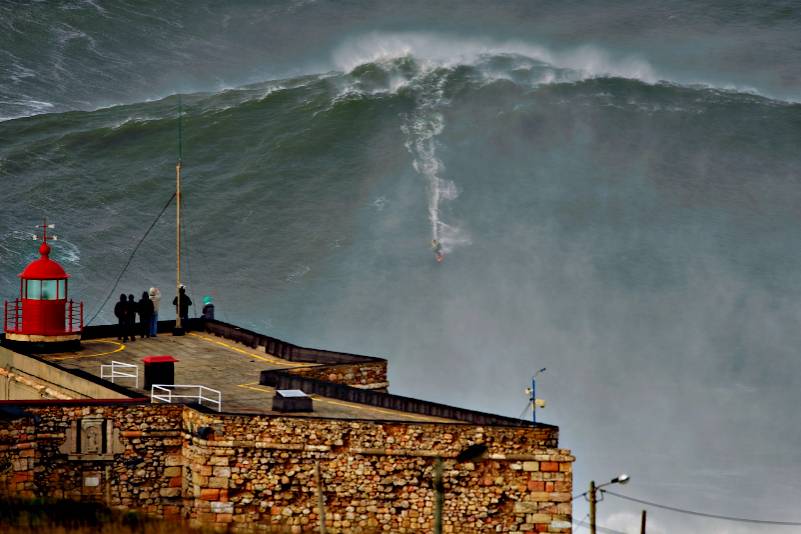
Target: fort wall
257	472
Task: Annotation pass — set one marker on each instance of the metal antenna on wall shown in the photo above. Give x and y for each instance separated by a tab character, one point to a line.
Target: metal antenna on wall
533	401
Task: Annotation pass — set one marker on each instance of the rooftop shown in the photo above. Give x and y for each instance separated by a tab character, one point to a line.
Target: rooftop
226	365
245	368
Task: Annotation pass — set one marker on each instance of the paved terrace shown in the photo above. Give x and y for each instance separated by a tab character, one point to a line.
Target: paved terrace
223	364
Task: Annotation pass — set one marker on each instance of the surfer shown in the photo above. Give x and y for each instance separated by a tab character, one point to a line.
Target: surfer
438	254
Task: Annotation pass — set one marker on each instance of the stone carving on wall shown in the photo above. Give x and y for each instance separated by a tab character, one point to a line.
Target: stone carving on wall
92	438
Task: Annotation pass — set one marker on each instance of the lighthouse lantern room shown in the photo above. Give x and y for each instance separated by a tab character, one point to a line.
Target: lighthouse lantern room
42	313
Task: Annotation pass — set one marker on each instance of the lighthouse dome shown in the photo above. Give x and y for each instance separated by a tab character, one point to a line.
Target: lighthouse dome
44	268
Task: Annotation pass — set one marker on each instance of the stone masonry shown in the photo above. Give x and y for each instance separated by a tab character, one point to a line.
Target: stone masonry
257	472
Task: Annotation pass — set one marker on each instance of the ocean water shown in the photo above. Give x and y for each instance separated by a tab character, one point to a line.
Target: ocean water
616	189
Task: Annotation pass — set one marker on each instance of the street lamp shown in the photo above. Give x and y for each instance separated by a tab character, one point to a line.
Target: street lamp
623	478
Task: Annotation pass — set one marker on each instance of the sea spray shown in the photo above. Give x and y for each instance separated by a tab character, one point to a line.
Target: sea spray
421	128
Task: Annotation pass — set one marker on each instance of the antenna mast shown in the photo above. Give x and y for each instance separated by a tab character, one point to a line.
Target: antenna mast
179	330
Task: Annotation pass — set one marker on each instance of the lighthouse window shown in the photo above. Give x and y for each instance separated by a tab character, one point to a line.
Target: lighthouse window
62	289
49	290
34	289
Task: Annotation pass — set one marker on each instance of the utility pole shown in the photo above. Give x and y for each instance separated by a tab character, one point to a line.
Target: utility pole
642	523
592	496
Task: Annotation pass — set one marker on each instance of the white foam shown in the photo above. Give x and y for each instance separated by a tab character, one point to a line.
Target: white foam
432	50
421	128
67	252
297	273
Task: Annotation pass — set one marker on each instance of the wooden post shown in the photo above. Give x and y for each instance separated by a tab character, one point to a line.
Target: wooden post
592	507
642	523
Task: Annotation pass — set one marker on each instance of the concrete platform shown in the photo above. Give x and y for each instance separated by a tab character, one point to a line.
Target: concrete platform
217	363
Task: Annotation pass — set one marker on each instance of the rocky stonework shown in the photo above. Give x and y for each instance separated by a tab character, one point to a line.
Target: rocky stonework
257	473
369	375
17	452
144	474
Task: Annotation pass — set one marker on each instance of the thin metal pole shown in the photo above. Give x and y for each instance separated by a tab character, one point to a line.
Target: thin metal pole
642	523
178	324
534	399
320	501
592	507
439	498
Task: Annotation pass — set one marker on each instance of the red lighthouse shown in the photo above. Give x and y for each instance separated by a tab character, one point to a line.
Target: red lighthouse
42	313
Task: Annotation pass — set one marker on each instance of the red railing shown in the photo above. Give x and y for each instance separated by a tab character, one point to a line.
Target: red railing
12	318
74	317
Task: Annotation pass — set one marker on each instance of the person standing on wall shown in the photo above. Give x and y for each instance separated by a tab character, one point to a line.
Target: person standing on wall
131	317
121	312
183	307
145	306
155	298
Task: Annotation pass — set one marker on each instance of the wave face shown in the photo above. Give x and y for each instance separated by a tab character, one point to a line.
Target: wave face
627	222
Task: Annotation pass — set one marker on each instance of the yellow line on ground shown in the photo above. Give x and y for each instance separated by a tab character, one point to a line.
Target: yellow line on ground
270	359
250	386
120	348
354	406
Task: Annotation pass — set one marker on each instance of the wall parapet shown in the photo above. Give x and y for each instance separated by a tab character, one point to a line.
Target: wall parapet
283	379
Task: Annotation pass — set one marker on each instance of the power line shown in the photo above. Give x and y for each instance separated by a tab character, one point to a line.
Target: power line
130	258
704	514
583	523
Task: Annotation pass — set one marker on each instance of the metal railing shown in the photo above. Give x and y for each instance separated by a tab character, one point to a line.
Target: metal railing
117	369
165	394
74	316
12	318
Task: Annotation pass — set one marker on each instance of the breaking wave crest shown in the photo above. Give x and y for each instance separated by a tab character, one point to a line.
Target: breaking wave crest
434	51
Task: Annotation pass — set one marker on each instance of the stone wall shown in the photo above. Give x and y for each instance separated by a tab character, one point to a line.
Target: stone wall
258	472
368	375
136	464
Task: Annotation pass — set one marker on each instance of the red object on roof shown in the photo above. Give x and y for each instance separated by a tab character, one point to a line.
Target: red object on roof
44	268
158	359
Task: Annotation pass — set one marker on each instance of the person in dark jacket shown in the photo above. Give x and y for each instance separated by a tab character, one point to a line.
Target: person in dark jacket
121	312
132	311
145	313
183	309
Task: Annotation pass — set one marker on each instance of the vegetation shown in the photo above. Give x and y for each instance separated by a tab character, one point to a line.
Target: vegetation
45	516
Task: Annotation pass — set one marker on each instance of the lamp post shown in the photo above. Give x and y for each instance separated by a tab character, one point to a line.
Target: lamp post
471	452
620	479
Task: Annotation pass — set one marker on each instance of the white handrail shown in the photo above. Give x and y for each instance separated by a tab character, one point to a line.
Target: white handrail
166	394
114	371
